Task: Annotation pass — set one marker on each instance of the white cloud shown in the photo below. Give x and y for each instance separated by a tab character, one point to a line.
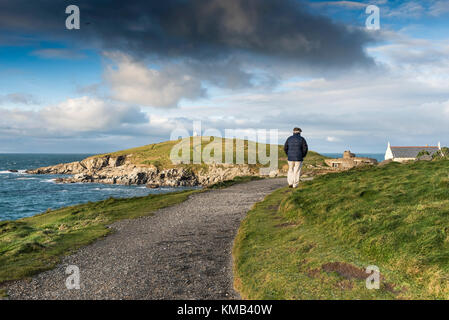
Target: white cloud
439	8
332	139
404	100
438	108
133	82
78	115
417	9
90	114
18	122
355	5
416	60
408	9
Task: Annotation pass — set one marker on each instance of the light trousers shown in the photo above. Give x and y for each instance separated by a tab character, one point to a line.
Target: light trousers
294	172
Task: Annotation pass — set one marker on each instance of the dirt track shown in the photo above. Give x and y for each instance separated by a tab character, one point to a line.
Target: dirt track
182	252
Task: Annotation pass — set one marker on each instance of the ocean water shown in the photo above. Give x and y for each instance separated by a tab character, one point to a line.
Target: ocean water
378	156
24	195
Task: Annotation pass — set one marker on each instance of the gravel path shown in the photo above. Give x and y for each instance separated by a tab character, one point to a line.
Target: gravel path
182	252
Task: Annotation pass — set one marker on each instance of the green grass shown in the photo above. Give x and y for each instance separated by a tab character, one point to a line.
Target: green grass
35	244
158	154
395	217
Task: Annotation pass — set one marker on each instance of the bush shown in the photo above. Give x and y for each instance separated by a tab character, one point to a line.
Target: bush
423	153
443	154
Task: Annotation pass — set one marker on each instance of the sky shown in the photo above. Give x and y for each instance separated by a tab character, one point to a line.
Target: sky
137	70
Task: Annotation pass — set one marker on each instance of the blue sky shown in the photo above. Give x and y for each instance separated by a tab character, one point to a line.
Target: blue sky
100	89
50	79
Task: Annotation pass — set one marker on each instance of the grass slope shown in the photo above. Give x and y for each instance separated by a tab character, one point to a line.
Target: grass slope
158	154
315	242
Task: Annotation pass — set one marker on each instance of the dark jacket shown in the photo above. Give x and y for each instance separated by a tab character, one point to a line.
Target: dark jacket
296	147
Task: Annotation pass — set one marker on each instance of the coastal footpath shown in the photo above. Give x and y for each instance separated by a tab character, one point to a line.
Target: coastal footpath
179	252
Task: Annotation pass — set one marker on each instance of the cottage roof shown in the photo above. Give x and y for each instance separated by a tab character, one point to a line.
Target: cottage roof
411	152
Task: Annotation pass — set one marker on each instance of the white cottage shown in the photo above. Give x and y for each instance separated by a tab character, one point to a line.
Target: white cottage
400	154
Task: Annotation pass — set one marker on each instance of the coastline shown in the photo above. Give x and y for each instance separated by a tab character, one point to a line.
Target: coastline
181	251
34	244
61	180
121	170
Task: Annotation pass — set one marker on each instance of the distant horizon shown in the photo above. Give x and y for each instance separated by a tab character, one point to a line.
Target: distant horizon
90	153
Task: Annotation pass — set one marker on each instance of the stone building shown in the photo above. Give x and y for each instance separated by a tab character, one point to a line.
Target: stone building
401	154
349	161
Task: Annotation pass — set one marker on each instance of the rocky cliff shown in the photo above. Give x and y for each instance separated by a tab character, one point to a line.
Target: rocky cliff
120	170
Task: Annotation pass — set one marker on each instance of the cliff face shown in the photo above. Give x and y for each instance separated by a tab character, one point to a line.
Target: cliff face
120	170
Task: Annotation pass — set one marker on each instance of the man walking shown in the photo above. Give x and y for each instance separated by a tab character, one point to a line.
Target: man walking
296	149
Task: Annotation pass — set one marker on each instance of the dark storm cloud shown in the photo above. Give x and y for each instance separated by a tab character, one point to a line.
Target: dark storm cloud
198	29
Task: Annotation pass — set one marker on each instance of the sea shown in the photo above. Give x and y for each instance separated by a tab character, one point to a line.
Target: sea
24	195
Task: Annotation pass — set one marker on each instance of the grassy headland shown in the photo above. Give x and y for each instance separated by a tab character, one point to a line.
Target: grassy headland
158	154
316	241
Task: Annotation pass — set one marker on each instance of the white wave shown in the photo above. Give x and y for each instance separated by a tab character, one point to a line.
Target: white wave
105	189
9	172
48	180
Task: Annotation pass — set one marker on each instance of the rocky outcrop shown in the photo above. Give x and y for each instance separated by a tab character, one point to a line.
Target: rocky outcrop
217	173
89	165
120	170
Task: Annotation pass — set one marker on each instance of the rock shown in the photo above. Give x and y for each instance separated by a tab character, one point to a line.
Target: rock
13	171
153	185
116	162
120	170
273	173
